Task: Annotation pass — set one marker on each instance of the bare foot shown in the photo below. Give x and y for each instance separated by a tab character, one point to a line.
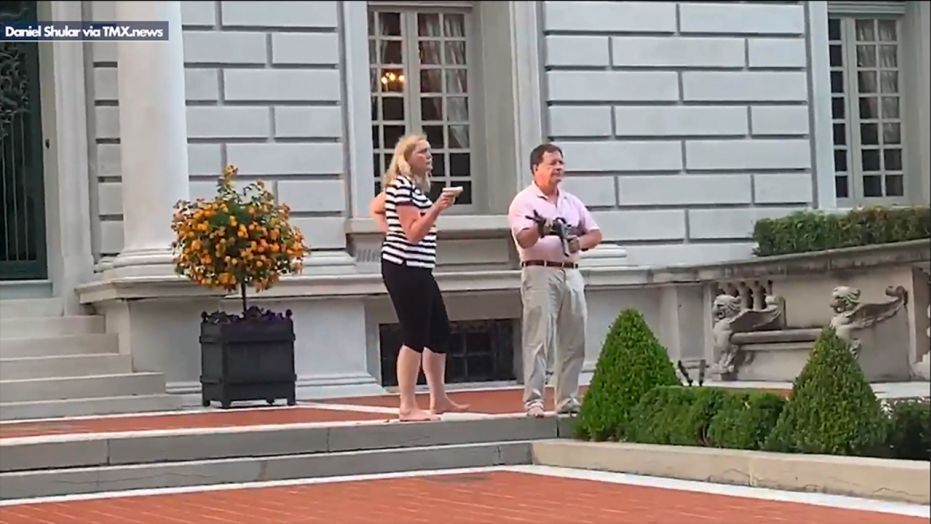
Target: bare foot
448	406
416	415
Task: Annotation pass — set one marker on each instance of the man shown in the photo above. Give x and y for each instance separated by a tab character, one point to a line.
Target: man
552	287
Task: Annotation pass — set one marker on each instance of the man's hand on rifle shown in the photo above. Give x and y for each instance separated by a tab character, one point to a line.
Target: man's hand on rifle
575	244
544	225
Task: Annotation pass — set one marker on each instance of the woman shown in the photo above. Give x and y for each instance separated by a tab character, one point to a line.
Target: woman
408	257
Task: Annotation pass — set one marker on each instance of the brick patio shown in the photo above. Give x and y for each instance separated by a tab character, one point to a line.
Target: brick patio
497	497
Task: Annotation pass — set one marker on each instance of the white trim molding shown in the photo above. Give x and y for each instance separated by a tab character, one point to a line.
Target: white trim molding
819	77
358	129
527	84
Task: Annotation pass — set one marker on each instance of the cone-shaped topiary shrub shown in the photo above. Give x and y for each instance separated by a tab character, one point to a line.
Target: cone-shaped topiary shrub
832	410
632	362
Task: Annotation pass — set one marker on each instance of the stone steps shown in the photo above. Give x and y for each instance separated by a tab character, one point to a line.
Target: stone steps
31	308
80	464
43	346
78	407
14	328
81	387
22	368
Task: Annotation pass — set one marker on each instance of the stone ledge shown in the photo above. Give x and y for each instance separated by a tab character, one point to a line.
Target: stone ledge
596	276
884	479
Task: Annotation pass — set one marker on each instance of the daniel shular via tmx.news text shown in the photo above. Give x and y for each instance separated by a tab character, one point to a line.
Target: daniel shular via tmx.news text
37	31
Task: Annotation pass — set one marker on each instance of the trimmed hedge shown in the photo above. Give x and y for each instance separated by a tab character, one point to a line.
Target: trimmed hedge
705	417
806	231
832	410
745	420
910	429
632	362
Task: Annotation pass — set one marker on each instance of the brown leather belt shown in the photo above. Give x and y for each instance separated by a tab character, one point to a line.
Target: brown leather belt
547	263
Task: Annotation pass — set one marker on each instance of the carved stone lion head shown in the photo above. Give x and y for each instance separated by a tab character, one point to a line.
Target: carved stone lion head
725	306
844	298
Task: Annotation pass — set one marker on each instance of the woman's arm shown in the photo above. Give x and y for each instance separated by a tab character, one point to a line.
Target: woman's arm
377	212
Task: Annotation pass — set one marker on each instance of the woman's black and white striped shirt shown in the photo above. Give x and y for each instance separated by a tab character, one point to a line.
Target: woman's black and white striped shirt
396	248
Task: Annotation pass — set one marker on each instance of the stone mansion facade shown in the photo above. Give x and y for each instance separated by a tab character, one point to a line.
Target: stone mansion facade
682	123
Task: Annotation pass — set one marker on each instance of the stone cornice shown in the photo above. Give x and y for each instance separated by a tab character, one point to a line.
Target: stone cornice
370	284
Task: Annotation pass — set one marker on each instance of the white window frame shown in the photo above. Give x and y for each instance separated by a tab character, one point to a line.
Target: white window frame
853	121
413	117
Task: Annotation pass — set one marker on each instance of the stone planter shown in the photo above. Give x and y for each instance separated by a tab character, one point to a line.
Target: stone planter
249	357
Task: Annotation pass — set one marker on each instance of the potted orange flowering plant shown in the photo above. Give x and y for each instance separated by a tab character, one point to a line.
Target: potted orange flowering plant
235	241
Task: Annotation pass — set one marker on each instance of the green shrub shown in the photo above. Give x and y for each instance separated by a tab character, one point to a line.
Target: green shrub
745	419
805	231
674	415
631	363
910	429
832	409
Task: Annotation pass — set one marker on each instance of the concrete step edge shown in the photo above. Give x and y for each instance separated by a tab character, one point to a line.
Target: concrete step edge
89	450
87	378
31	484
24	411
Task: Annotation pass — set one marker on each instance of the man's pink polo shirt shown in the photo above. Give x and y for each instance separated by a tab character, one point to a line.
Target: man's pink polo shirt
567	206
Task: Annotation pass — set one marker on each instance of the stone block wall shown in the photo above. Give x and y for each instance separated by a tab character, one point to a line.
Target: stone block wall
264	91
682	123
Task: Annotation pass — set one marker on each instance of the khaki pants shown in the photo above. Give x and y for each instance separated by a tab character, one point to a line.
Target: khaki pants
554	322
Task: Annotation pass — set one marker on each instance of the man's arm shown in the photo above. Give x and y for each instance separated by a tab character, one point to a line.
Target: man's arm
592	236
525	230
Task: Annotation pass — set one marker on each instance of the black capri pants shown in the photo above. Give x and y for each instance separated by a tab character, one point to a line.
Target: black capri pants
419	306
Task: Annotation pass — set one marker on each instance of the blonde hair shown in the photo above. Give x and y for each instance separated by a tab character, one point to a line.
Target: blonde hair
399	162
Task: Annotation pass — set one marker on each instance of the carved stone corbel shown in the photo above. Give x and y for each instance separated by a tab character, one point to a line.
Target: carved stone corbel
851	315
732	316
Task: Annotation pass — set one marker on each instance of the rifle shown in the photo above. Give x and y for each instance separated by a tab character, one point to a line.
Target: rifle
559	228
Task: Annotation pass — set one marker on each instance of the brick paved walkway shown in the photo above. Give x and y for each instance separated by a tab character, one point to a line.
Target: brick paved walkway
499	497
214	419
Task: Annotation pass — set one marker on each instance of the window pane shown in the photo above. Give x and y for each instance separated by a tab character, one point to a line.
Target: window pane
457	81
376	137
837	107
892	159
459	164
459	137
392	81
435	136
890	81
834	29
466	196
428	24
887	32
837	82
866	56
439	164
457	109
837	56
840	135
872	186
869	134
430	53
431	108
892	134
374	108
454	25
391	136
392	108
455	53
391	53
870	158
869	108
895	186
866	30
867	81
840	160
390	24
840	187
890	107
888	56
376	164
430	81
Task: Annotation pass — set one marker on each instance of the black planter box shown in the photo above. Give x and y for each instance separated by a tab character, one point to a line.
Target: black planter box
248	357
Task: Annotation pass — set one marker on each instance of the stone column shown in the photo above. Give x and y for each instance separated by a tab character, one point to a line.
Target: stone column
153	138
